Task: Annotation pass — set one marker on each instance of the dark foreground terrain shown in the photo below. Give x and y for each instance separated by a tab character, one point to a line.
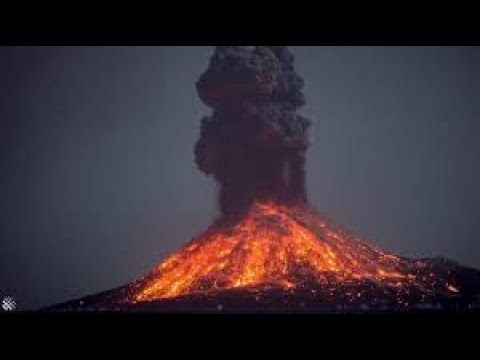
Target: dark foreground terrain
347	297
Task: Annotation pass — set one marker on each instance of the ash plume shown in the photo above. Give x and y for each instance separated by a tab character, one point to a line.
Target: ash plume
254	143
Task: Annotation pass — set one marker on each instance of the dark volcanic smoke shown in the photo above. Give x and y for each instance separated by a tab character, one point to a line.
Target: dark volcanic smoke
254	143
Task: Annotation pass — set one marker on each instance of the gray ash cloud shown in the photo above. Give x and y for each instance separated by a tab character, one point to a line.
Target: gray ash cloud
254	142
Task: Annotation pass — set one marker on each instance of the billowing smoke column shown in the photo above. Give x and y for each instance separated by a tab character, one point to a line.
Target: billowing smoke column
254	143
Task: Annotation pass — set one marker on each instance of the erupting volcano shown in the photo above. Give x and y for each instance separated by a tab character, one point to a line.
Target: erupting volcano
270	250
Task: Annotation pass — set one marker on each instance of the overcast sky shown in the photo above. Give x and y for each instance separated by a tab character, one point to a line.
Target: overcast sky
98	183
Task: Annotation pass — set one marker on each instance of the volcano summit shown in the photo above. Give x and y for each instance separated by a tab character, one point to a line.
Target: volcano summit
270	250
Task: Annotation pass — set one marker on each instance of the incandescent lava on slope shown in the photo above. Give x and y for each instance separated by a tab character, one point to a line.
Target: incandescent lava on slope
287	248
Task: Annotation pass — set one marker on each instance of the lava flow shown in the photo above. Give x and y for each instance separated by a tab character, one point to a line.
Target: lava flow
285	248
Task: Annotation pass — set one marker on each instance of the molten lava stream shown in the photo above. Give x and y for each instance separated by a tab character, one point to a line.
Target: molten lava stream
272	246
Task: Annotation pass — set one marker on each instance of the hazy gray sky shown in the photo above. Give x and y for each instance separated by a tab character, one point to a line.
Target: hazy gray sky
98	184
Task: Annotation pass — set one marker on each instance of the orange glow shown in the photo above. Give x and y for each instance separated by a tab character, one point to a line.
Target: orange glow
272	246
452	288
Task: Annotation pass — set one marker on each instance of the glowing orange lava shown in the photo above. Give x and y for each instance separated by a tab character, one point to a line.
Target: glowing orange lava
272	246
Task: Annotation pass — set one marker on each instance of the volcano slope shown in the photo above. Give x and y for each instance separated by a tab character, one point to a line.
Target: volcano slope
278	258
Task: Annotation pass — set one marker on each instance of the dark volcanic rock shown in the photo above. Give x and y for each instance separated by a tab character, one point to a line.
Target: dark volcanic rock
347	297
